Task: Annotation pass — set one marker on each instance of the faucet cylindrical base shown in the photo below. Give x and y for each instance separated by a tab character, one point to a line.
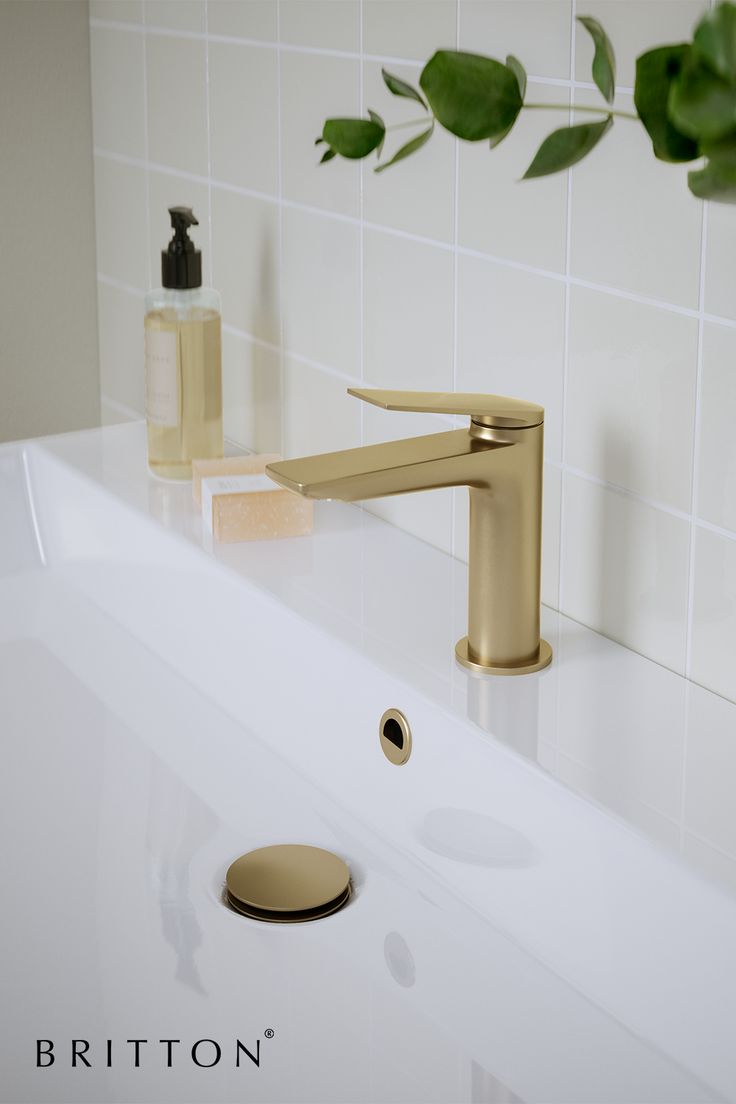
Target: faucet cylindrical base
462	655
504	555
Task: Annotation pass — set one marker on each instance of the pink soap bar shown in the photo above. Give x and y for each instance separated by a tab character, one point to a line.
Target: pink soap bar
252	507
252	464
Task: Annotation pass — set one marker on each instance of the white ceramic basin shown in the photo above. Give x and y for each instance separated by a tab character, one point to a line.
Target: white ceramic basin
165	708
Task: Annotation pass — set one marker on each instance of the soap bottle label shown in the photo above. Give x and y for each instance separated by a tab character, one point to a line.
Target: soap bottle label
162	378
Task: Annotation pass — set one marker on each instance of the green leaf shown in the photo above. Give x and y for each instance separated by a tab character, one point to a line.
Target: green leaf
567	146
722	150
655	72
410	147
379	122
327	156
498	138
318	141
715	40
701	104
716	181
353	138
399	87
604	61
519	72
473	97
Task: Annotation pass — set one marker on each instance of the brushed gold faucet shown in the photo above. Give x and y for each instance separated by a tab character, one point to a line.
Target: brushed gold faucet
499	458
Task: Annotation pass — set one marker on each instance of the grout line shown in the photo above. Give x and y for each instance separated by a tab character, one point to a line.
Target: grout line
361	315
625	492
211	258
279	283
636	297
240	40
172	32
717	320
446	246
566	334
147	148
454	597
235	331
361	231
116	25
144	163
711	527
455	288
695	458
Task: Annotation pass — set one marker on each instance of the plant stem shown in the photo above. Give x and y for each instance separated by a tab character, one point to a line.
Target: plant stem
530	107
578	107
411	122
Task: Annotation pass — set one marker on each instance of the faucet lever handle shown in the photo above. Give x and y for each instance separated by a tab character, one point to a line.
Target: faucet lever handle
487	410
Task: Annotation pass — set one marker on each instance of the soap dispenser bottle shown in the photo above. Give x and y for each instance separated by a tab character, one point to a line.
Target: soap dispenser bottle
183	360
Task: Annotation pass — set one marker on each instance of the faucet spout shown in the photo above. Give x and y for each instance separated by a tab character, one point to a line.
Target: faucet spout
499	458
452	459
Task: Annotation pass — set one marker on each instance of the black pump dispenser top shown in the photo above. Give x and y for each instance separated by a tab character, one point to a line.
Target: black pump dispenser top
181	263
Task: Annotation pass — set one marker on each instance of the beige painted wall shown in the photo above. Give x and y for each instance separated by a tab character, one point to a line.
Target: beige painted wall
49	379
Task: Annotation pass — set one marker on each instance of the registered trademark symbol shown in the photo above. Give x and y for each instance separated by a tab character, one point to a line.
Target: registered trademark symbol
269	1033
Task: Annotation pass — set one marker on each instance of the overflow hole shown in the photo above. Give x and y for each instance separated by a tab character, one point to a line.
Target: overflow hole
395	736
392	731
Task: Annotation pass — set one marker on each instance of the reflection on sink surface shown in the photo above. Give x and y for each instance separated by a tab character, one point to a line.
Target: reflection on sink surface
507	940
474	838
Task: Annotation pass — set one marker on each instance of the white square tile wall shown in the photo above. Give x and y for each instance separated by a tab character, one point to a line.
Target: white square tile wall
607	294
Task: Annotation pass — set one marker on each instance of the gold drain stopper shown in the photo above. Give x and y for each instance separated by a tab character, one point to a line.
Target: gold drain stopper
288	883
